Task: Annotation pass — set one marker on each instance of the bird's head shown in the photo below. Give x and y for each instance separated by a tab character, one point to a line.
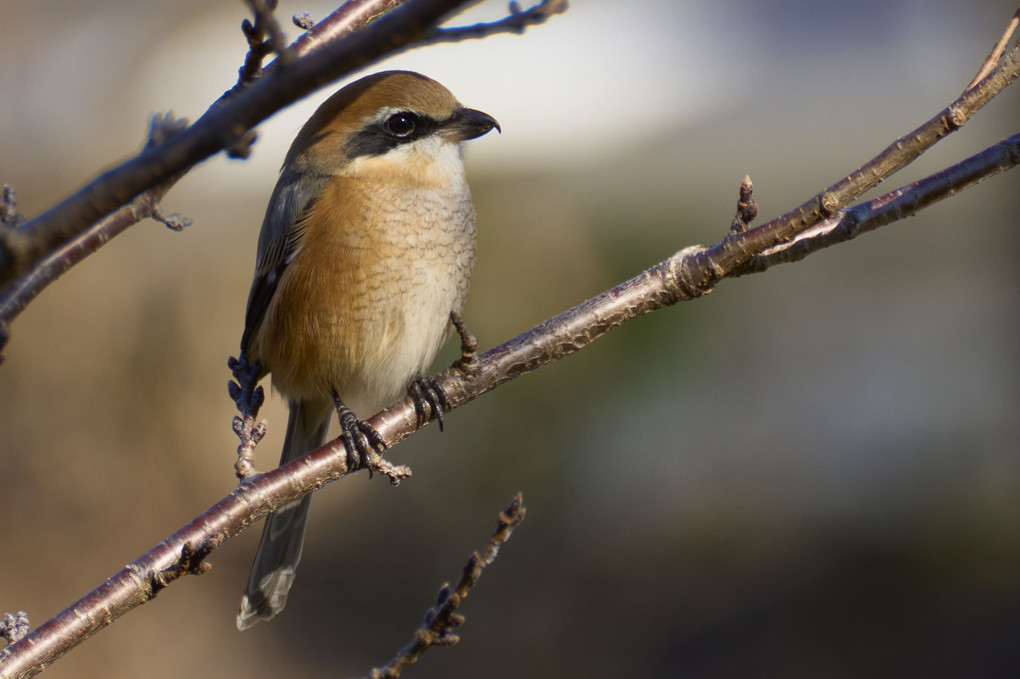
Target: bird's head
390	122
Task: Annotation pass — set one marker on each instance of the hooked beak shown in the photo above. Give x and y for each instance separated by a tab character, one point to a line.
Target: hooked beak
467	123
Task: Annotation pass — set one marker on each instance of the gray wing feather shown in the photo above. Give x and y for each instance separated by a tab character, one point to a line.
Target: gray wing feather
279	241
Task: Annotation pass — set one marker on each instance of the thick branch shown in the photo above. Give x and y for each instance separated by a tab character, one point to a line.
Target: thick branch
351	16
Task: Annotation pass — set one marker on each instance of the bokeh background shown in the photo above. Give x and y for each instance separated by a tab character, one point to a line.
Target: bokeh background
811	472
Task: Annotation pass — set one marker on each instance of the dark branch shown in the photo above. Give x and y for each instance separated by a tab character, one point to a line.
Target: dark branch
16	296
264	37
351	16
441	620
518	21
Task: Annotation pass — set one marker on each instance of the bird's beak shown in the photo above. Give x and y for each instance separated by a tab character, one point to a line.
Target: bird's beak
467	123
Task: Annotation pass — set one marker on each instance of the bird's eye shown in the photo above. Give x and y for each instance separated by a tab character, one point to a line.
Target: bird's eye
401	124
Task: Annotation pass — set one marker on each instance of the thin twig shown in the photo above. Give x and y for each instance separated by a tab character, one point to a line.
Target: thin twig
517	22
442	619
892	206
16	296
1000	48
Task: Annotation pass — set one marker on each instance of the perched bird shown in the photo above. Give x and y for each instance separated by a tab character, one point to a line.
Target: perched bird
366	249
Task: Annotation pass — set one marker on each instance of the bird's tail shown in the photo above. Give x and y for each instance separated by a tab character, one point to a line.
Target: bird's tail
279	550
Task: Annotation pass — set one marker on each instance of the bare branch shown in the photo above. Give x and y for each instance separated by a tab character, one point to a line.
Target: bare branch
440	621
1000	48
895	205
518	21
16	296
349	17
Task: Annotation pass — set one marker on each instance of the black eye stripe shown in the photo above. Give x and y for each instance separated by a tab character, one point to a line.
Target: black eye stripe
399	127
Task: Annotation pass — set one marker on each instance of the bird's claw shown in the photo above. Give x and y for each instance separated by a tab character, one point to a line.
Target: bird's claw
430	401
362	441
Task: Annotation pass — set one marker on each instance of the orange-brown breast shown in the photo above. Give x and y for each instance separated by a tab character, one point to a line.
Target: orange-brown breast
365	304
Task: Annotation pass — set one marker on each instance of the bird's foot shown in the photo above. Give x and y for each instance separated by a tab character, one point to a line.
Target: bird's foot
362	441
430	401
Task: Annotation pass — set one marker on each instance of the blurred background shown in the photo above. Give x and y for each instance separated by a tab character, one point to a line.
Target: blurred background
810	472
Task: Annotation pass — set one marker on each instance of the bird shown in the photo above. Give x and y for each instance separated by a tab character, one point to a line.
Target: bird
366	252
